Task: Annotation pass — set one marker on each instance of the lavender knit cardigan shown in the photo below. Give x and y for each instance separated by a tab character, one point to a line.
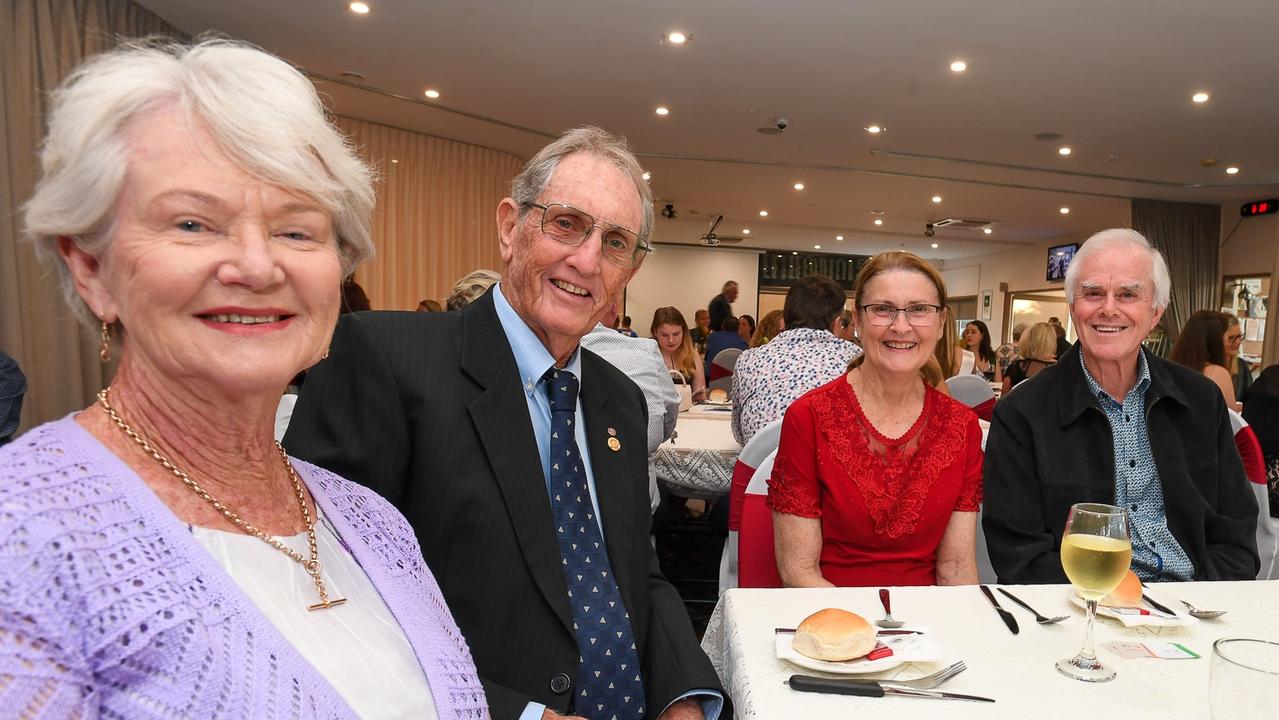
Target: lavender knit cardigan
109	607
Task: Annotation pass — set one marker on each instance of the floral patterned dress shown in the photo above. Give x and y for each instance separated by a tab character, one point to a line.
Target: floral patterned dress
884	503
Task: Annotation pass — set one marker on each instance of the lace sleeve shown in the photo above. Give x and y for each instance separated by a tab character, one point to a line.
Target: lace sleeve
970	491
793	487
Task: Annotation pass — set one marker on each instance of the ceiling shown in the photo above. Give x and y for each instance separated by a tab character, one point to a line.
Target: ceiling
1113	78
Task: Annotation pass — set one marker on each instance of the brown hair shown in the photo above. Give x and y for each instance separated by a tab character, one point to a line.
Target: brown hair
909	262
768	327
1202	341
813	301
669	315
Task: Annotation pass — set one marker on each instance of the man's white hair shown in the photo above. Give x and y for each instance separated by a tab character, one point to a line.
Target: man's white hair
264	114
1121	238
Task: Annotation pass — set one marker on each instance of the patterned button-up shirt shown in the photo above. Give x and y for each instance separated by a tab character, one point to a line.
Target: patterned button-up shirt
1156	554
767	379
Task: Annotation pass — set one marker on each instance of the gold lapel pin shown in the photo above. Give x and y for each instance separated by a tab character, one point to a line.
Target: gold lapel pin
614	444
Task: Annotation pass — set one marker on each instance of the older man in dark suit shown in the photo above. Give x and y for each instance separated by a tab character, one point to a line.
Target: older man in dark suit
520	459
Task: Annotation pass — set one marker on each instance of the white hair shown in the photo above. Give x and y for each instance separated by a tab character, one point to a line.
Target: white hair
532	180
264	114
1121	238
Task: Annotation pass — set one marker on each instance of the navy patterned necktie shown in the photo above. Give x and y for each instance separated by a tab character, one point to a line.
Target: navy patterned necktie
608	678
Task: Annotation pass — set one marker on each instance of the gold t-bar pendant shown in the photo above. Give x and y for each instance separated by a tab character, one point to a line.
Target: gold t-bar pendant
326	604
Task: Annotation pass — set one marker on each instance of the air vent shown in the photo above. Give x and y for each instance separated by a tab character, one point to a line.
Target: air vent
962	223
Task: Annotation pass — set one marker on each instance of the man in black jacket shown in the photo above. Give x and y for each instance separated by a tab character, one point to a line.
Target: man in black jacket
721	305
1113	423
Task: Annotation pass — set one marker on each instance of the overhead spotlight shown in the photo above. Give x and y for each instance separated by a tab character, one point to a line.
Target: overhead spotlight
675	37
432	93
817	247
662	110
874	129
359	8
934	246
839	238
1232	170
647	175
987	230
1064	211
958	66
937	198
1063	151
1200	97
763	213
799	186
668	212
794	252
879	221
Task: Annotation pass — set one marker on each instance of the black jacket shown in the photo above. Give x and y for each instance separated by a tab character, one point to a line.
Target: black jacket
428	410
1050	446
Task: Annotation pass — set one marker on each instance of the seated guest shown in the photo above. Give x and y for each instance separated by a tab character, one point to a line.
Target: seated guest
170	553
878	477
625	327
1261	410
806	355
1201	346
673	339
846	330
469	287
1006	353
1113	423
952	359
700	331
746	328
641	361
769	327
1240	373
1063	344
430	306
13	385
977	341
728	336
1038	350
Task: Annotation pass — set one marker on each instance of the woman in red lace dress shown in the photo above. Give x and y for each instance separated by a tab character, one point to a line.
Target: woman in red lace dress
877	479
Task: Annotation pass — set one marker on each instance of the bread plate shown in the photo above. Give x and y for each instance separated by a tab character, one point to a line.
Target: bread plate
906	648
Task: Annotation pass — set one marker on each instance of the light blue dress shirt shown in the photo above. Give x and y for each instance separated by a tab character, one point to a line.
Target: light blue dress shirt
1156	554
533	360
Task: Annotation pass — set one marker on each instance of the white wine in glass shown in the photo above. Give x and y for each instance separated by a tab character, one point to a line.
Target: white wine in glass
1095	553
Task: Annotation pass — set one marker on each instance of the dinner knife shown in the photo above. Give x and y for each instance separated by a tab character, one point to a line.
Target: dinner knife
1158	606
871	688
1009	620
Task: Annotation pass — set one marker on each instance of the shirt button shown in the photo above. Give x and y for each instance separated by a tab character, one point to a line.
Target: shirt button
1127	418
1134	507
1132	463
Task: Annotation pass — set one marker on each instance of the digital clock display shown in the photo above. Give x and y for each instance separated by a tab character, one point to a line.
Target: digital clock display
1260	207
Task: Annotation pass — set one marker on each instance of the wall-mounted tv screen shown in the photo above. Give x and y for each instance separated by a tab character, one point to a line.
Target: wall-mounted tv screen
1059	259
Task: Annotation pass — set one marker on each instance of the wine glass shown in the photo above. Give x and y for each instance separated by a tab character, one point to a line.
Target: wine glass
1095	553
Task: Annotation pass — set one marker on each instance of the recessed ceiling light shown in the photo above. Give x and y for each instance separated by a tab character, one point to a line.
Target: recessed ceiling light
874	129
359	8
432	93
839	238
958	66
937	198
987	230
1063	150
879	221
1200	97
647	175
934	246
763	213
675	37
662	110
746	231
1064	211
794	252
799	186
817	247
394	161
1232	170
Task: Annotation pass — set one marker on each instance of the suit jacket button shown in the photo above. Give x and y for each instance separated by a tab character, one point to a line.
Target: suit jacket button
560	683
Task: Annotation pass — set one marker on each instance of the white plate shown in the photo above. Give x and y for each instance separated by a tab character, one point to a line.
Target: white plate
1155	619
906	648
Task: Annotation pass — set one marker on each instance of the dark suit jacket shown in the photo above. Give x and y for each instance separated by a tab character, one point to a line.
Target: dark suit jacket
428	410
1050	446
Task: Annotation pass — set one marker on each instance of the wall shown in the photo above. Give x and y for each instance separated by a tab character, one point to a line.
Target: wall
688	277
1252	247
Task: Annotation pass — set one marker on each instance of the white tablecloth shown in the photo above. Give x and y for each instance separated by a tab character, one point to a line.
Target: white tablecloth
698	461
1017	670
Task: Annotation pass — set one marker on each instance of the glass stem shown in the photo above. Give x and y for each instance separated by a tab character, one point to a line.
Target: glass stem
1087	652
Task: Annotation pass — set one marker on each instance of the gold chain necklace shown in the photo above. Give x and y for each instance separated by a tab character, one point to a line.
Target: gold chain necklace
311	565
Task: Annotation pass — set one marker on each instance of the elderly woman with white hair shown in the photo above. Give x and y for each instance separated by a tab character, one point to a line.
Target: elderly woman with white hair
160	555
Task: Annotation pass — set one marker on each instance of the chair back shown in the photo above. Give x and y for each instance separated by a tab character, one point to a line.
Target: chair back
971	390
1254	466
757	559
967	363
724	362
762	444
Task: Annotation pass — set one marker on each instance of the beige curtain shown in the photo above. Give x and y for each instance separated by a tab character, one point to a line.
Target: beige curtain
40	42
436	207
1188	235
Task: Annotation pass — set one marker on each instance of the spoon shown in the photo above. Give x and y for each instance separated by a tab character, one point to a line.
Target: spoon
888	621
1202	614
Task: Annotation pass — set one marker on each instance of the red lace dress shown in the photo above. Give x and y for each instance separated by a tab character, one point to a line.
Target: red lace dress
883	503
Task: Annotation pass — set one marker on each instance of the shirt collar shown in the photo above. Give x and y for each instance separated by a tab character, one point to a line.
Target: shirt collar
1143	378
531	356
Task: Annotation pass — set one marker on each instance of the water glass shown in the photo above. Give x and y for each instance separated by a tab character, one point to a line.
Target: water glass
1244	678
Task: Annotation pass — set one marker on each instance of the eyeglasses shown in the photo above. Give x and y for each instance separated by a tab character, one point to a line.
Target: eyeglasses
918	315
567	225
1234	338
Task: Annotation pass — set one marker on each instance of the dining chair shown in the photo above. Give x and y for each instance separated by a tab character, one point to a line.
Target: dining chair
1254	466
762	444
722	366
757	559
975	392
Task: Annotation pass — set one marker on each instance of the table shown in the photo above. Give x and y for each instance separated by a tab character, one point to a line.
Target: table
1017	670
698	461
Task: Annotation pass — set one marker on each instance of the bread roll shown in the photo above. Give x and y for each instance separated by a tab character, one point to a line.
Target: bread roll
834	634
718	395
1126	594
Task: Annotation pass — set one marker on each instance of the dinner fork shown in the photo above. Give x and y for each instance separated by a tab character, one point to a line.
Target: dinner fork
928	682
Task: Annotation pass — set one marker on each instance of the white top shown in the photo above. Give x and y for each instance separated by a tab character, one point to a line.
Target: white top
358	647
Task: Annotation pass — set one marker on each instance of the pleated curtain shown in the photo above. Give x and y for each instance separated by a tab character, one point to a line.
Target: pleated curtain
1188	235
